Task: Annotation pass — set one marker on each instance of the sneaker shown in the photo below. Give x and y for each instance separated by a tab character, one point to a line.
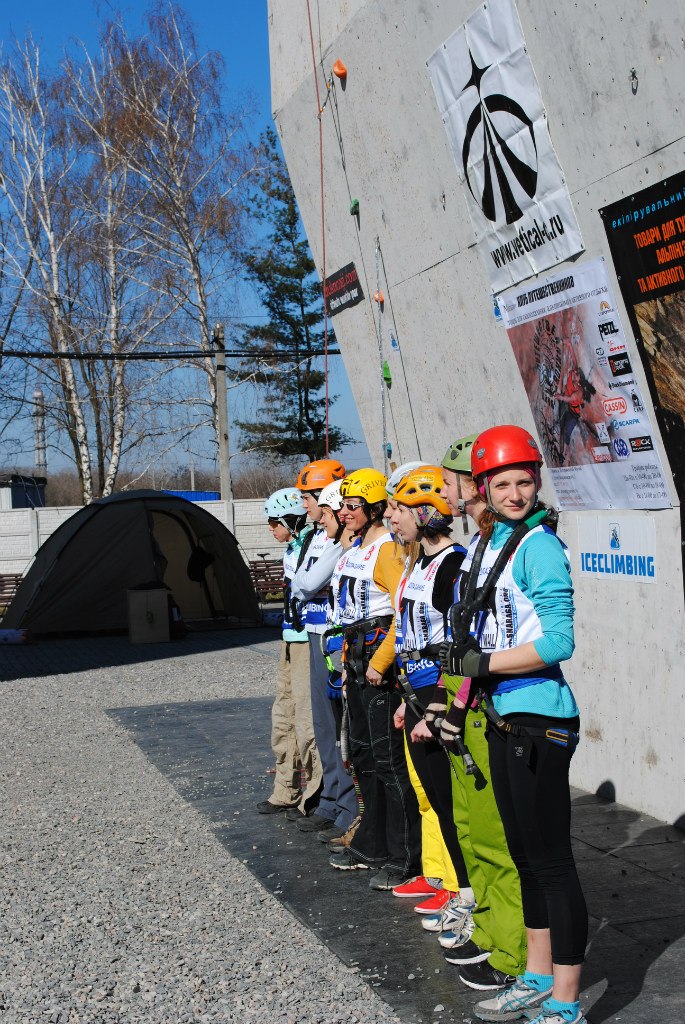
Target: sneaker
453	917
466	953
416	888
345	860
511	1003
266	807
343	841
327	834
386	879
315	823
484	977
434	904
549	1016
452	938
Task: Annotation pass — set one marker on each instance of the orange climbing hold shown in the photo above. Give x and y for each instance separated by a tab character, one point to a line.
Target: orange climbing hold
339	70
379	297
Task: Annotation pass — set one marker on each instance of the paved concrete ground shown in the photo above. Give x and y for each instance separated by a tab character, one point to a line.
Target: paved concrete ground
198	711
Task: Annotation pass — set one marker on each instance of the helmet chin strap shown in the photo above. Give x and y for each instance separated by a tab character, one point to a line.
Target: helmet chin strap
461	505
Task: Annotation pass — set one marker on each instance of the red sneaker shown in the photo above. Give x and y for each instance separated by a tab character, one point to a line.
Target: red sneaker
415	888
435	903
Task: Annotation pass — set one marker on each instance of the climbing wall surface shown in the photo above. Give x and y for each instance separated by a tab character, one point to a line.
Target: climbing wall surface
612	78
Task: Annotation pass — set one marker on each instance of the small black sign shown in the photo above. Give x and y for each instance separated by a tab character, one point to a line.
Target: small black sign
641	444
342	290
620	365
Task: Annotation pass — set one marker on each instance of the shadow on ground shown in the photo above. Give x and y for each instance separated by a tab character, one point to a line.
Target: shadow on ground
217	755
82	654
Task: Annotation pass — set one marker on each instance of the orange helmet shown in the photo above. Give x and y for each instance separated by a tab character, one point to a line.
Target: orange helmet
503	446
317	475
422	487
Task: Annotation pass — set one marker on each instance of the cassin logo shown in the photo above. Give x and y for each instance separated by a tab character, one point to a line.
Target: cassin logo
494	114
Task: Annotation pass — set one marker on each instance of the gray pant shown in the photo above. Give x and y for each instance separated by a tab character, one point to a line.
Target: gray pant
338	800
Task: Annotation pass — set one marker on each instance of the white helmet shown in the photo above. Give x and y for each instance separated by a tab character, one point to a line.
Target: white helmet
331	497
398	474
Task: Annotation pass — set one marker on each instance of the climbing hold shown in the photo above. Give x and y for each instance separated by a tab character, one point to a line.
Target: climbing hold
339	70
394	343
354	207
387	376
379	297
388	449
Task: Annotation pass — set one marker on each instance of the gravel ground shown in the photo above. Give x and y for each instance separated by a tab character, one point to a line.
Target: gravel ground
117	904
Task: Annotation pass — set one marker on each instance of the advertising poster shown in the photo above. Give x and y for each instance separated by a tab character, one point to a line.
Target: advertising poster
342	290
590	414
623	550
646	234
492	110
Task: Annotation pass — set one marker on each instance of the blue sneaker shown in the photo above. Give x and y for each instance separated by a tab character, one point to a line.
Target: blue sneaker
511	1003
550	1016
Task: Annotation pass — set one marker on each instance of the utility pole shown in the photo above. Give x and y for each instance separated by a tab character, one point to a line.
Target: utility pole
218	340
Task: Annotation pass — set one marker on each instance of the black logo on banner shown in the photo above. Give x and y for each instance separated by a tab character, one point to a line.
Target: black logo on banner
608	328
342	290
641	444
494	146
620	365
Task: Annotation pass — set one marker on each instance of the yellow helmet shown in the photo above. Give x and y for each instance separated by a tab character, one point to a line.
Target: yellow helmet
368	484
422	487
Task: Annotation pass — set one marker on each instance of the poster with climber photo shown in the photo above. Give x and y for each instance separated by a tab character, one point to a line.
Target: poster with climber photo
492	109
590	414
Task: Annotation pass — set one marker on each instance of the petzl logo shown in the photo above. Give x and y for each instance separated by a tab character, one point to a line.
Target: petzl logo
615	406
641	444
608	328
489	125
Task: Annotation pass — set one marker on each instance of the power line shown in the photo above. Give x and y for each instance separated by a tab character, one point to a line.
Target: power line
171	354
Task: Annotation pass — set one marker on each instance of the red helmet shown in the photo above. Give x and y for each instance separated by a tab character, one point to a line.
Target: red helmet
503	446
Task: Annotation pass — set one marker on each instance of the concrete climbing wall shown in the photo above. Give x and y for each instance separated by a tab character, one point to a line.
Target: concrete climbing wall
384	143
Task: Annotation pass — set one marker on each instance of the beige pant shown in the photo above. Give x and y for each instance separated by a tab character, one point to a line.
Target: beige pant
298	768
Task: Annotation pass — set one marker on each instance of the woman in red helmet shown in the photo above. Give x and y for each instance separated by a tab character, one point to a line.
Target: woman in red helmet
512	647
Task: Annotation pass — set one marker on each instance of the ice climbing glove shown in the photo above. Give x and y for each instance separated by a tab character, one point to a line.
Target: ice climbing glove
452	727
465	659
435	713
334	685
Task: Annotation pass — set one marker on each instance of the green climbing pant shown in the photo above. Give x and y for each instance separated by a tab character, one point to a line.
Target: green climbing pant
498	919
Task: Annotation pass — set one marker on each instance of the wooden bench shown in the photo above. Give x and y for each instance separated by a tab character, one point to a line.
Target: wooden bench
267	578
9	583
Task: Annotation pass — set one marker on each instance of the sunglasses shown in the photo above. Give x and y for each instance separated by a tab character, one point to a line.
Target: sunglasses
350	507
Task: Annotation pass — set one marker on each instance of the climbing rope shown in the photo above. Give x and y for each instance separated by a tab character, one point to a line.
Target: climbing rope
379	301
319	111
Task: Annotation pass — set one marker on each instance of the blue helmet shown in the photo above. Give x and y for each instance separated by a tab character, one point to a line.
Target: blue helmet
285	502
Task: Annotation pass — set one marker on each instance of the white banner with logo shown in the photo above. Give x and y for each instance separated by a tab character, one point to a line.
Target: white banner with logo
589	411
623	549
496	124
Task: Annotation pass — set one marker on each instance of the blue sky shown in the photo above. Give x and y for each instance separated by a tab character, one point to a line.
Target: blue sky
238	30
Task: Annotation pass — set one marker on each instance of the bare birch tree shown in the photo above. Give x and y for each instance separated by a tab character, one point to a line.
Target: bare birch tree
172	131
120	178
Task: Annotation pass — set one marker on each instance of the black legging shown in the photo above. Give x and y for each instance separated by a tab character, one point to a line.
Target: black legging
431	763
532	793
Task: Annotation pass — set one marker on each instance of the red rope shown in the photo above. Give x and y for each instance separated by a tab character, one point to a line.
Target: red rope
323	216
